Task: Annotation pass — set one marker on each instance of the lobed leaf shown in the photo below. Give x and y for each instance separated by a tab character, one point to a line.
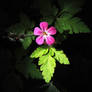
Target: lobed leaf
47	67
28	69
24	25
39	52
70	6
26	42
79	26
51	51
71	25
61	57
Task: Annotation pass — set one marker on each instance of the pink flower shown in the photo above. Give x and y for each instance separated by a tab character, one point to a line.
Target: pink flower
44	34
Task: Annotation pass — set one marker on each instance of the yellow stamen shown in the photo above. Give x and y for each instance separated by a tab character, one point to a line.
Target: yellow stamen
44	33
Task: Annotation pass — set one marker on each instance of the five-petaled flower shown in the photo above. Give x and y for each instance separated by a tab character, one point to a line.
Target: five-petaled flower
44	34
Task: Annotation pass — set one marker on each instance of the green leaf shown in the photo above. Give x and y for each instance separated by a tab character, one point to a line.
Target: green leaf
52	51
42	59
48	19
62	24
52	88
66	21
26	22
26	42
35	73
23	26
59	25
70	6
47	67
46	7
17	29
39	52
28	69
79	26
71	25
61	57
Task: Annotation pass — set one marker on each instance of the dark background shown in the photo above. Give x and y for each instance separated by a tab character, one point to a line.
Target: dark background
78	48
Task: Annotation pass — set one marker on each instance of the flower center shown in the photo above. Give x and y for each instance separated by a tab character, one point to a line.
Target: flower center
44	33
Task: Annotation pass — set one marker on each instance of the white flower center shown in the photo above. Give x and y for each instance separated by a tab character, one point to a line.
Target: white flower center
45	34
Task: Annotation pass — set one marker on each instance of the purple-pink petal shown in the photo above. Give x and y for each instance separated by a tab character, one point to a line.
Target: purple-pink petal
37	31
40	40
50	40
43	25
52	30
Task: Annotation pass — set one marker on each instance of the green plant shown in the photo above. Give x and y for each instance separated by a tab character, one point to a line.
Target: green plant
63	17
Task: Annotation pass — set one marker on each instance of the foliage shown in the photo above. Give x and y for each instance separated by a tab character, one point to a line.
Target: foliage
22	31
26	42
28	69
61	57
59	13
46	7
22	26
52	88
49	19
71	24
70	6
47	67
47	60
39	50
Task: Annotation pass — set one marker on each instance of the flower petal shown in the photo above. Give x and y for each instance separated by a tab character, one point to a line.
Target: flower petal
37	31
43	25
52	30
50	40
40	40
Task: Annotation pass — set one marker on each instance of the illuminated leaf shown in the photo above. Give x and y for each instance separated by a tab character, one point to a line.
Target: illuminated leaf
52	51
47	67
39	52
61	57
